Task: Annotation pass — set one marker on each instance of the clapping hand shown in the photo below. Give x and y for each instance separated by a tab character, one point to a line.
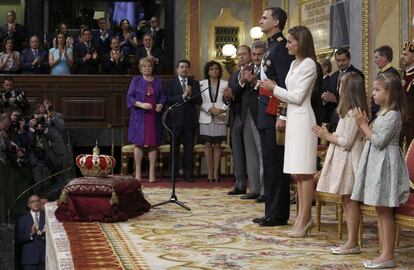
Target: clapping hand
227	93
268	84
360	116
321	132
158	107
187	91
328	97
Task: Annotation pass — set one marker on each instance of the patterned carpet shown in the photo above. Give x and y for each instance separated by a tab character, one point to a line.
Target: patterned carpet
218	234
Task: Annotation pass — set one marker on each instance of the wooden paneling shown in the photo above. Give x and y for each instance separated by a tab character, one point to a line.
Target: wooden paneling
85	101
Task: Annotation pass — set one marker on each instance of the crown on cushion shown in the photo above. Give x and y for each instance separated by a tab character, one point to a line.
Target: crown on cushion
95	165
408	46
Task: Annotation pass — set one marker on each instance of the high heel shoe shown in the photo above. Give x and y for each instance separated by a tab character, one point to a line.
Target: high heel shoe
373	265
306	231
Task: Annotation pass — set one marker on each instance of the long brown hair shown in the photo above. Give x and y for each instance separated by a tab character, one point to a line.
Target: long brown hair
352	94
395	94
304	38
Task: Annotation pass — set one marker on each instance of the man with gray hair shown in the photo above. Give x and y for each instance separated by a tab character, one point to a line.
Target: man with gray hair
249	108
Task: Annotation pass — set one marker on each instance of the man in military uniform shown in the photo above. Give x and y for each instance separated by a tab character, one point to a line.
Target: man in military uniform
407	59
275	65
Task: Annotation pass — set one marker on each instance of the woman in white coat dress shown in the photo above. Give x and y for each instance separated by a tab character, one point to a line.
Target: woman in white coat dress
300	143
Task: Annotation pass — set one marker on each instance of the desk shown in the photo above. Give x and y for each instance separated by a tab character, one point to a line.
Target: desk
108	199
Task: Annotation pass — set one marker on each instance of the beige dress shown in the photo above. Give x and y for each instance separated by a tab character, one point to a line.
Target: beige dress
341	162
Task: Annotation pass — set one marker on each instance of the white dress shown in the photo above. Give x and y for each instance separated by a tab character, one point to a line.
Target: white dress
300	144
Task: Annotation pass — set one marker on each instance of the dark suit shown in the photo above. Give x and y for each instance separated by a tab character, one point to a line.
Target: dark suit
157	36
275	63
27	57
375	107
236	124
316	94
111	67
33	247
184	122
251	137
155	52
333	87
86	67
19	36
103	44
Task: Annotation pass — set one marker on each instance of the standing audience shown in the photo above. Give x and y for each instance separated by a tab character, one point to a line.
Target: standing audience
382	179
341	162
9	58
115	62
184	119
60	57
146	100
300	144
34	60
213	118
127	37
13	30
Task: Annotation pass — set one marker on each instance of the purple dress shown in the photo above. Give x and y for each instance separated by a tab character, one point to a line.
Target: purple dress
145	126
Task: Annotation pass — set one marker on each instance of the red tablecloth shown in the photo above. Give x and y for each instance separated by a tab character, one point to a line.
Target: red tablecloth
109	199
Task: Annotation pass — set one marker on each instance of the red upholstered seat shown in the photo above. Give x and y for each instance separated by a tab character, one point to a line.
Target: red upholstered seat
410	162
407	209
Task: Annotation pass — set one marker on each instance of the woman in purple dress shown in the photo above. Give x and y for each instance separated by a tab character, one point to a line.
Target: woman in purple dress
146	100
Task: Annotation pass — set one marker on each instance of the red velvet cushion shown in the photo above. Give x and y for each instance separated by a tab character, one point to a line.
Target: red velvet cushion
410	161
407	208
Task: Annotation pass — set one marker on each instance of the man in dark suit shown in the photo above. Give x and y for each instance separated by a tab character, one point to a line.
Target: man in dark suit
231	94
275	66
34	60
330	97
30	234
148	50
184	119
86	54
382	57
326	70
103	36
14	30
153	30
115	61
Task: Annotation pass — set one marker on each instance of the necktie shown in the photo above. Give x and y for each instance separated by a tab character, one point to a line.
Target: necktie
338	83
35	53
148	52
36	221
183	86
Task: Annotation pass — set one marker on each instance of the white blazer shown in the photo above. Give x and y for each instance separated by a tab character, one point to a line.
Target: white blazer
300	144
209	101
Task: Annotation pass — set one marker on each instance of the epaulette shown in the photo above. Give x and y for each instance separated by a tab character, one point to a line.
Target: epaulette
280	39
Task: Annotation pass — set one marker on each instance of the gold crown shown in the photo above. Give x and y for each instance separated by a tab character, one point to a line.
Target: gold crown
95	165
408	46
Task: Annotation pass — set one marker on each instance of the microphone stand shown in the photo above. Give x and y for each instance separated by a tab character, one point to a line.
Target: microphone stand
173	198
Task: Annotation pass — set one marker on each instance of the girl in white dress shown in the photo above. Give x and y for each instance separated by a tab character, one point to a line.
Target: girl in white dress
300	143
345	148
382	179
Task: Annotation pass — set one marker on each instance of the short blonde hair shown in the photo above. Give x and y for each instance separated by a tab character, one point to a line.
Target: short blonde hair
145	60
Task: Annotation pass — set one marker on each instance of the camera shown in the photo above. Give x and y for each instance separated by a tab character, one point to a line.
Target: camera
7	95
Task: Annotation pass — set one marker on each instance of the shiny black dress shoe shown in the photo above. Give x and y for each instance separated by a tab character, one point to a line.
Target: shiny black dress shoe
261	199
269	222
259	219
250	196
236	191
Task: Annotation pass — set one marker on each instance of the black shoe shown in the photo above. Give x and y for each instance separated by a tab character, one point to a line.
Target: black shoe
236	191
261	199
259	219
269	222
189	180
250	196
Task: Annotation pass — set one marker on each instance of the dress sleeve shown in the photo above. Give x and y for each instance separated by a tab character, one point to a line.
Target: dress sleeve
305	79
389	127
347	140
131	96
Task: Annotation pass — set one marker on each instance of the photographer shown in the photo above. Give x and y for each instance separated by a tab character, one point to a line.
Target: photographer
15	169
12	99
48	148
